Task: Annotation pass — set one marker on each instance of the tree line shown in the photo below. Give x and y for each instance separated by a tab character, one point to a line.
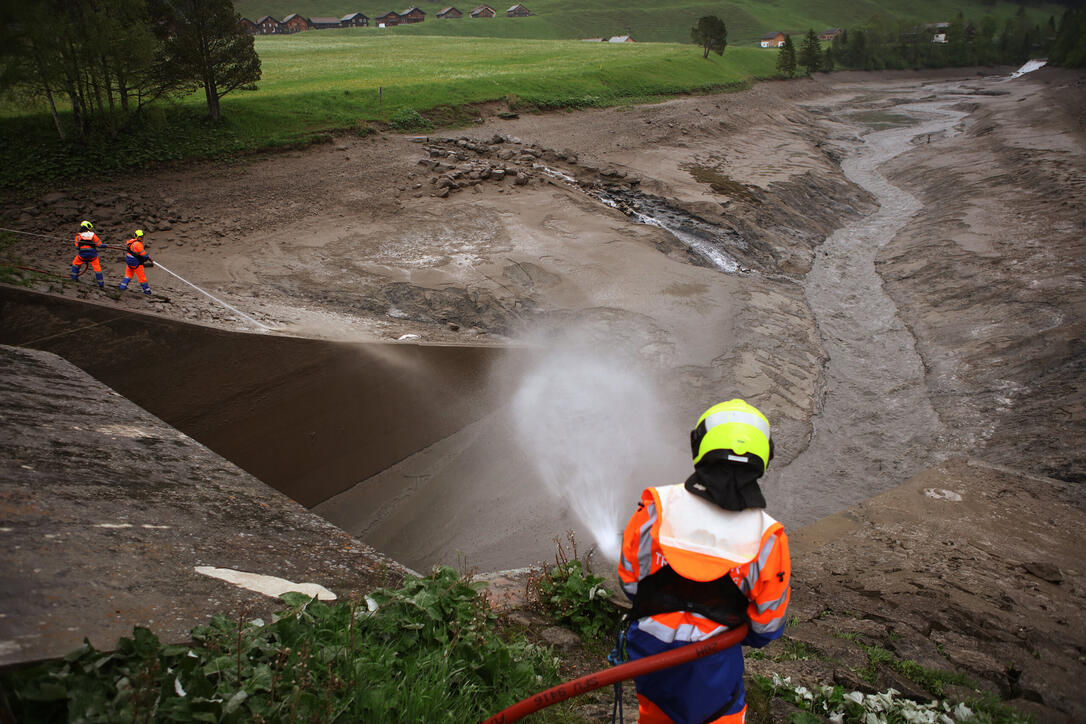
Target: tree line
108	60
883	43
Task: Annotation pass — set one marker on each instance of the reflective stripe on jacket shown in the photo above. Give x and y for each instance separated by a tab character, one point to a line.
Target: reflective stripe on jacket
704	542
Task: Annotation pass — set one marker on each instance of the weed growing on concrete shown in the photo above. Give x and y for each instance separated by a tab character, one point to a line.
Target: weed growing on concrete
573	596
427	651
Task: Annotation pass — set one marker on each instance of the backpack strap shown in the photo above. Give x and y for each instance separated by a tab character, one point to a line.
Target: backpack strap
666	591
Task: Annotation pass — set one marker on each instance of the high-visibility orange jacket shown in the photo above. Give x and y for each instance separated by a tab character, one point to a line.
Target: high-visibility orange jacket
703	542
87	240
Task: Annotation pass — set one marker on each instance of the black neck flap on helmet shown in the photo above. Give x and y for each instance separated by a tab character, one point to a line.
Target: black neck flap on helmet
731	484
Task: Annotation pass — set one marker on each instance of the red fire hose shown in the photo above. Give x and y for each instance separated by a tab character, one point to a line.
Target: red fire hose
600	679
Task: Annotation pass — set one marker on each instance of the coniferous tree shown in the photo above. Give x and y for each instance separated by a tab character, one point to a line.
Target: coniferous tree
786	57
810	52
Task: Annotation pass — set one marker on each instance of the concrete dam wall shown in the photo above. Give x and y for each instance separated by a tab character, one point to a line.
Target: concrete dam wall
311	418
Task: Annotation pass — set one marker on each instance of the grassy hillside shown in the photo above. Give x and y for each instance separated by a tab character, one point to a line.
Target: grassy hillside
324	81
648	20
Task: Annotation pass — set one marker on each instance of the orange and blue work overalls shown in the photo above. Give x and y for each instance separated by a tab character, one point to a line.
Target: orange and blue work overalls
675	532
134	259
87	243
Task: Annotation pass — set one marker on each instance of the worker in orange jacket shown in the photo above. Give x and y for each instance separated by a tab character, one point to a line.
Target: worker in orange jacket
135	258
703	557
86	241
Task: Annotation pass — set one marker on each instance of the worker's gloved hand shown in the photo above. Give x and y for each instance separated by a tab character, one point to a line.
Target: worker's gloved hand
148	263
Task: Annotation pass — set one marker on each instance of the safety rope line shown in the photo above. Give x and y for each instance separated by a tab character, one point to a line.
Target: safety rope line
28	233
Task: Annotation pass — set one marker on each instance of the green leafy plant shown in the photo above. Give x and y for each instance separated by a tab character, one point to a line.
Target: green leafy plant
573	596
409	119
427	651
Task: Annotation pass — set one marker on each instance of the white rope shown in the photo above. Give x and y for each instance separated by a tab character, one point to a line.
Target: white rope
29	233
232	309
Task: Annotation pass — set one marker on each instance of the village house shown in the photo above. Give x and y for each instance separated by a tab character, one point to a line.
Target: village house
449	13
938	32
483	11
388	19
772	40
620	39
412	15
518	11
829	34
249	26
268	25
354	20
295	23
324	23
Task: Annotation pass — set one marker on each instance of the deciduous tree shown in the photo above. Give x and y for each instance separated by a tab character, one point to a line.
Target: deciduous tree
206	45
711	34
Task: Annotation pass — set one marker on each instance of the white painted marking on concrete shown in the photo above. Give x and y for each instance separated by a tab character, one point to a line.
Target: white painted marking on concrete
268	585
155	527
112	525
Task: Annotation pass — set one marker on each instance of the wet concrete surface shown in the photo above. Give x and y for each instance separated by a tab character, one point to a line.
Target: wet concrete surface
105	511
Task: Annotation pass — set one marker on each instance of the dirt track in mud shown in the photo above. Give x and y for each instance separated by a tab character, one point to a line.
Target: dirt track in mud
925	302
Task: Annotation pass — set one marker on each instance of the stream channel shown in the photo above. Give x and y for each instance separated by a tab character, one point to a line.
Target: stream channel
875	426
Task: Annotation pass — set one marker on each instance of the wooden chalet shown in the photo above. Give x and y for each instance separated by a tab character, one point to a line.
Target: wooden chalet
388	19
295	23
324	23
620	39
412	15
829	34
249	26
268	25
449	13
518	11
483	11
772	40
354	20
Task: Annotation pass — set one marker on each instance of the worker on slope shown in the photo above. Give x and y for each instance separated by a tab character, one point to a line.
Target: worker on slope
701	558
86	241
135	257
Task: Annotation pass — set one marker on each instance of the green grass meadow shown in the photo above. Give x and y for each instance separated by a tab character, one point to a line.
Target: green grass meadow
647	20
316	83
324	81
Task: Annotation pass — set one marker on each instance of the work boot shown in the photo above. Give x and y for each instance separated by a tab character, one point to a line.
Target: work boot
147	291
123	286
75	273
101	282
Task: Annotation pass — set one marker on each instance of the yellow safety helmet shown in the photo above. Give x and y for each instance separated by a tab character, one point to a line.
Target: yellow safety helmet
86	225
735	427
139	233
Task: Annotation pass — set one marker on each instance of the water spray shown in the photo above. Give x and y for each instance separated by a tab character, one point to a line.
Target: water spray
590	420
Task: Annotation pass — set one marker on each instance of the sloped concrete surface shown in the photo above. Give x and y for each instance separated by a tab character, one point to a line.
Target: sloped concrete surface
105	511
